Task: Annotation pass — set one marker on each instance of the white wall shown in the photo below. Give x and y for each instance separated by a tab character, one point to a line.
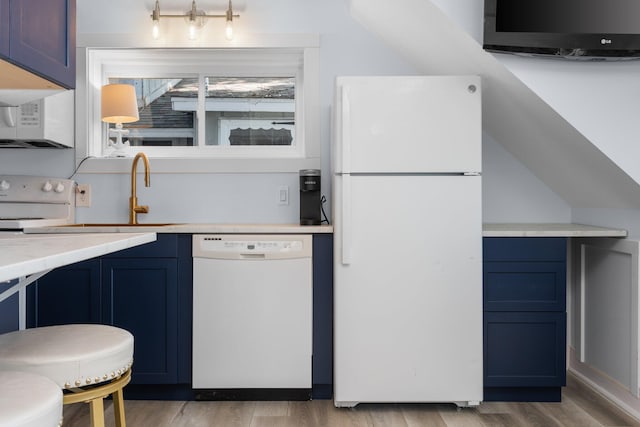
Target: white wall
511	193
602	101
346	49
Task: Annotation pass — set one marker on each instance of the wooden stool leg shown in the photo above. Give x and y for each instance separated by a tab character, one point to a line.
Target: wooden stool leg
97	412
118	408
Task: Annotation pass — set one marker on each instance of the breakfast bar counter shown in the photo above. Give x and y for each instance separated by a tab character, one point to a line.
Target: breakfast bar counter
23	255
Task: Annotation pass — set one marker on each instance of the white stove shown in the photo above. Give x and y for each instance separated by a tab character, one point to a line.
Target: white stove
34	201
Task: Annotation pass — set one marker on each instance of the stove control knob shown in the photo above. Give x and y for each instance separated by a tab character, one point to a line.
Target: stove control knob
59	188
47	187
4	185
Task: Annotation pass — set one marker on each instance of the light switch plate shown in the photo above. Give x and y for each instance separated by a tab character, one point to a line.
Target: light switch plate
283	195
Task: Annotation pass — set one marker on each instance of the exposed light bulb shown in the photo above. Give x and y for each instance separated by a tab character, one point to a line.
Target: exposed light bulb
155	16
228	31
195	19
155	31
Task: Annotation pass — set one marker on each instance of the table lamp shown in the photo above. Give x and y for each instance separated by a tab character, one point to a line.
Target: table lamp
119	106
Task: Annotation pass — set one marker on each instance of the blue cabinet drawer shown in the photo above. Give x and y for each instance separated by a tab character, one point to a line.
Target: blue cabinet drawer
527	249
524	286
524	349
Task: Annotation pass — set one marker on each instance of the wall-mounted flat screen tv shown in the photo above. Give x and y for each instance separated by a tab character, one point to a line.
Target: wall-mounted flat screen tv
578	29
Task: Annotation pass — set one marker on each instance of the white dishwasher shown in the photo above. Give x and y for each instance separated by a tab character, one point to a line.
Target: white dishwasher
252	317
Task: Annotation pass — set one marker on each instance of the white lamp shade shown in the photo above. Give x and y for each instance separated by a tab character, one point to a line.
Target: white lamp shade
119	104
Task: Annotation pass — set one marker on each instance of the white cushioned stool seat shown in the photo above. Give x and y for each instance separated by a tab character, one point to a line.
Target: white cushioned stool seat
90	362
29	400
70	355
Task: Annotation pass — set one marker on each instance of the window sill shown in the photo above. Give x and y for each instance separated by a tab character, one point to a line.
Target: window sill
200	165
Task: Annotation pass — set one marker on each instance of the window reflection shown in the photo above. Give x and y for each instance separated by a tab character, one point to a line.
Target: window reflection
238	111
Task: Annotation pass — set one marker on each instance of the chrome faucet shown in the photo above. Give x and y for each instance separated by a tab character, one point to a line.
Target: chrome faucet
134	209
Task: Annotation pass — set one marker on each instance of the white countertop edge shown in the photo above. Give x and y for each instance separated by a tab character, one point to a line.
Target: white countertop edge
23	255
489	229
549	230
190	228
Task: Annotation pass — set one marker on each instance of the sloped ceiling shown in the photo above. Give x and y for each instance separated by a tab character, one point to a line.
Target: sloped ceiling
513	115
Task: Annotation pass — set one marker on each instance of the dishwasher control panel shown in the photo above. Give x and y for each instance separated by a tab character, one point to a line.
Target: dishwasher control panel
251	246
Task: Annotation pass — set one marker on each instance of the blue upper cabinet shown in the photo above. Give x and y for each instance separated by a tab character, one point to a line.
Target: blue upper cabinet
40	36
4	27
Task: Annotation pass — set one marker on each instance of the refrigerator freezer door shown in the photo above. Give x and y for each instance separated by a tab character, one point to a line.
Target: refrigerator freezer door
408	305
409	124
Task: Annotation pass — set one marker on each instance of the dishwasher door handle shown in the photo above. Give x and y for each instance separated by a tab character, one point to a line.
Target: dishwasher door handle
253	256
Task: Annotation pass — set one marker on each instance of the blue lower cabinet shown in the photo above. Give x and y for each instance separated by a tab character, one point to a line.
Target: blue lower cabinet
146	290
524	319
322	316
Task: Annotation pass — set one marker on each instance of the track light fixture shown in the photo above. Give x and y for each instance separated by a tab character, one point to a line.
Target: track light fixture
195	19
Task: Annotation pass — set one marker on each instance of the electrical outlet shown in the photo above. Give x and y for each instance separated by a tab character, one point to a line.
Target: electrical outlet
83	195
283	195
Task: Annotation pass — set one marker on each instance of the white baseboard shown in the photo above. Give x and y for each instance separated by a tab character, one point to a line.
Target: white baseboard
605	386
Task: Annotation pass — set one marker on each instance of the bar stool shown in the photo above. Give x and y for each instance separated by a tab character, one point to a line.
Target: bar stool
88	362
29	400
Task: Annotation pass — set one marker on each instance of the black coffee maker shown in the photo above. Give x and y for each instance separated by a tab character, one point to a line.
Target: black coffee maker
310	199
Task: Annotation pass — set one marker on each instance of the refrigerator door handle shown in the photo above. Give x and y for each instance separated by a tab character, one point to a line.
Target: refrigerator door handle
346	219
346	178
346	119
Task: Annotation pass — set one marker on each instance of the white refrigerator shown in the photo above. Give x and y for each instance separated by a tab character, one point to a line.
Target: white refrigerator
407	240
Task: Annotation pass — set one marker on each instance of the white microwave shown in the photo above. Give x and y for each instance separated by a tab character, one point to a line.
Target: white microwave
47	123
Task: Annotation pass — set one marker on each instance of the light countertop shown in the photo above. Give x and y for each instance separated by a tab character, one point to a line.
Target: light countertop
549	230
489	229
22	255
192	228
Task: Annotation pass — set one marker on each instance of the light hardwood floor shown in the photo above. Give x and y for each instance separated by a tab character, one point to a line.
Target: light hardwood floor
580	407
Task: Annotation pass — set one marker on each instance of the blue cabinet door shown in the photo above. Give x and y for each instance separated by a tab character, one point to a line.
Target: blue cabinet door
185	307
322	316
141	296
43	38
9	310
65	295
5	30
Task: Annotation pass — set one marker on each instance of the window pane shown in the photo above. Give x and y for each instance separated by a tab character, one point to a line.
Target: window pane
163	123
250	111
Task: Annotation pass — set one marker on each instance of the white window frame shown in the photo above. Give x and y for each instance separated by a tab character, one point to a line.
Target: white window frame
98	63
